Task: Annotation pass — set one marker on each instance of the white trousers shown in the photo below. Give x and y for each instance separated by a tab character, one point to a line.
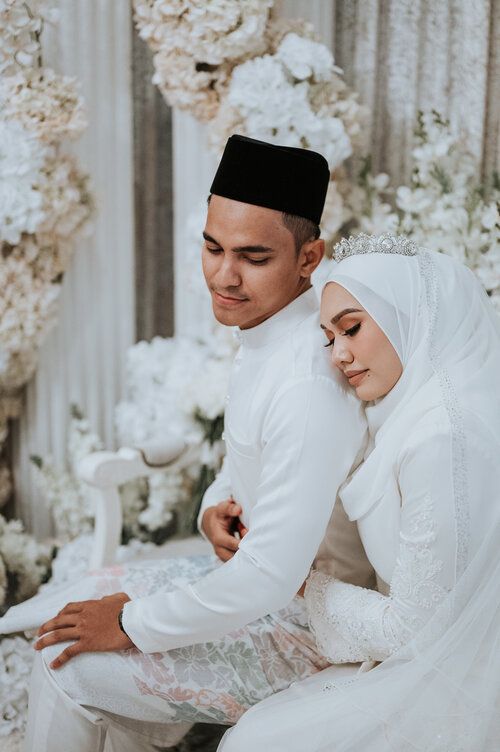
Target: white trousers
58	724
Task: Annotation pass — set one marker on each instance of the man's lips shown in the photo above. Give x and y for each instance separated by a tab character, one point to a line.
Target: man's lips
226	300
355	377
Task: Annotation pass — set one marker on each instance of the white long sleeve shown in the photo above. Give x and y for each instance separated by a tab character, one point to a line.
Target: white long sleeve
310	437
356	624
219	490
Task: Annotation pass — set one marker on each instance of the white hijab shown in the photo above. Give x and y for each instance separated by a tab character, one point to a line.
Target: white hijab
447	335
440	692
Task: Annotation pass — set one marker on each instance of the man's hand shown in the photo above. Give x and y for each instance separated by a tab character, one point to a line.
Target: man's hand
93	625
217	524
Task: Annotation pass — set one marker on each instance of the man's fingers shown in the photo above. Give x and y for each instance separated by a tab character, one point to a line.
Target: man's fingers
223	540
228	509
60	622
61	635
223	554
66	655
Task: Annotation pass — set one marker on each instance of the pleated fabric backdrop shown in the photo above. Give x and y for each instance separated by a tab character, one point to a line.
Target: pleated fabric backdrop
400	55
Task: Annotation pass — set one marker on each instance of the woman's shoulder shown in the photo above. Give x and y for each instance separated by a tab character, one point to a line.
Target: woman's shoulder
439	428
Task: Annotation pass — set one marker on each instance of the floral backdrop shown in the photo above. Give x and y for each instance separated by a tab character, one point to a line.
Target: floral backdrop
45	202
44	199
236	67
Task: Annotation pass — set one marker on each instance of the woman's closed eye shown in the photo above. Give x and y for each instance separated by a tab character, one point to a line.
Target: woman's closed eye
348	332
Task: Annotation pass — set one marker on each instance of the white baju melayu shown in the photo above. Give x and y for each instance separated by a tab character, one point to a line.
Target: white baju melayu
425	500
292	432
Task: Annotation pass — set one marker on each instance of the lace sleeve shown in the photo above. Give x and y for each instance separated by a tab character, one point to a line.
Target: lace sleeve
348	621
353	624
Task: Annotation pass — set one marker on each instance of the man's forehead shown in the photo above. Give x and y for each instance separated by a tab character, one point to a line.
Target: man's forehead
244	224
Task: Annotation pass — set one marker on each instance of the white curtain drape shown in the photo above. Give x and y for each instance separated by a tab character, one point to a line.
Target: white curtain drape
400	55
408	55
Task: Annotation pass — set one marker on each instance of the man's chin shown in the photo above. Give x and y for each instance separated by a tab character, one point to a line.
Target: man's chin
230	313
228	318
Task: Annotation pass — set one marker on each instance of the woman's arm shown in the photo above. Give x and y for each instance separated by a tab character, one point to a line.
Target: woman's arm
355	624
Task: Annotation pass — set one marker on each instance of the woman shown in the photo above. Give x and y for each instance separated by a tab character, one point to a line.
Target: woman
418	340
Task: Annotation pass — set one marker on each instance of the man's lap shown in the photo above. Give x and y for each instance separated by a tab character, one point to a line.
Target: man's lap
210	682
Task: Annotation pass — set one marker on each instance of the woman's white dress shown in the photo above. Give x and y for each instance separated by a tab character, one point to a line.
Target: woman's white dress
416	664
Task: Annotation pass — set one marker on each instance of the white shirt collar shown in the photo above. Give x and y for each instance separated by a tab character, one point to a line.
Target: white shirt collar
282	322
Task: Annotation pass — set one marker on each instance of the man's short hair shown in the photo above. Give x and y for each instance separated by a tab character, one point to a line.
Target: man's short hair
301	228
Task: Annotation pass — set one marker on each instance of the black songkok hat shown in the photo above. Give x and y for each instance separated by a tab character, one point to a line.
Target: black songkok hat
285	178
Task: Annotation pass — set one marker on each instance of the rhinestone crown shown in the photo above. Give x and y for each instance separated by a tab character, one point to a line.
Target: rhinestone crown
374	244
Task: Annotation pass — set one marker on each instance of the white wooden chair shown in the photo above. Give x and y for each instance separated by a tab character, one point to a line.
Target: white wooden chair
106	471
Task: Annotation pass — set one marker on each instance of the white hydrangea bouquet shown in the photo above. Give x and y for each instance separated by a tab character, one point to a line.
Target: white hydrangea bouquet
445	207
197	44
44	196
179	385
238	68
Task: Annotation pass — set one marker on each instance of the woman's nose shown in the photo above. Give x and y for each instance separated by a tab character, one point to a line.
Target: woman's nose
341	353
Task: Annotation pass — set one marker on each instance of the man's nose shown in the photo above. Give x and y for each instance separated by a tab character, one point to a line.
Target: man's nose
228	274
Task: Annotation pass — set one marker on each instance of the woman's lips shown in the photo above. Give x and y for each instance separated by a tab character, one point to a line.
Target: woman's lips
227	301
356	377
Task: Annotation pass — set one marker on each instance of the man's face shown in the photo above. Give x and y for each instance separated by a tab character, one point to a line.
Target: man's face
249	261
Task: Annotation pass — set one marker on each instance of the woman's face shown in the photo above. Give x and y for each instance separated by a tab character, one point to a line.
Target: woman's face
360	349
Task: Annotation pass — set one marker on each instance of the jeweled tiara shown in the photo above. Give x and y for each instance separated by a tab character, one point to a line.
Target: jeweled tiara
374	244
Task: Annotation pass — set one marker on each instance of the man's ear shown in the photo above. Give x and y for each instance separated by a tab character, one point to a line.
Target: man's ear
310	256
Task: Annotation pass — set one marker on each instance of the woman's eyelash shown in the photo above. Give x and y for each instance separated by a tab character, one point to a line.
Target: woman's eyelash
353	330
349	332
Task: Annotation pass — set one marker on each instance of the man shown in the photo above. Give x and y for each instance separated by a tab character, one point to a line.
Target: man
292	434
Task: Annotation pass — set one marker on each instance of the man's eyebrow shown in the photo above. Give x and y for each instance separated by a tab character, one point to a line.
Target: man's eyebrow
241	248
210	239
252	249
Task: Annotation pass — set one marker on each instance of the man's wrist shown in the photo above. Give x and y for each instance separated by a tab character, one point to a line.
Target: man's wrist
120	622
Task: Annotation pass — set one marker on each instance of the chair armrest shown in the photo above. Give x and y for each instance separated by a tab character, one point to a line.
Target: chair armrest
105	472
103	469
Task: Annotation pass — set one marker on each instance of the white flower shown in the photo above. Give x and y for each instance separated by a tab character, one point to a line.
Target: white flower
16	661
413	201
271	103
206	391
45	103
197	44
21	161
18	25
209	32
490	217
335	212
304	58
25	560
